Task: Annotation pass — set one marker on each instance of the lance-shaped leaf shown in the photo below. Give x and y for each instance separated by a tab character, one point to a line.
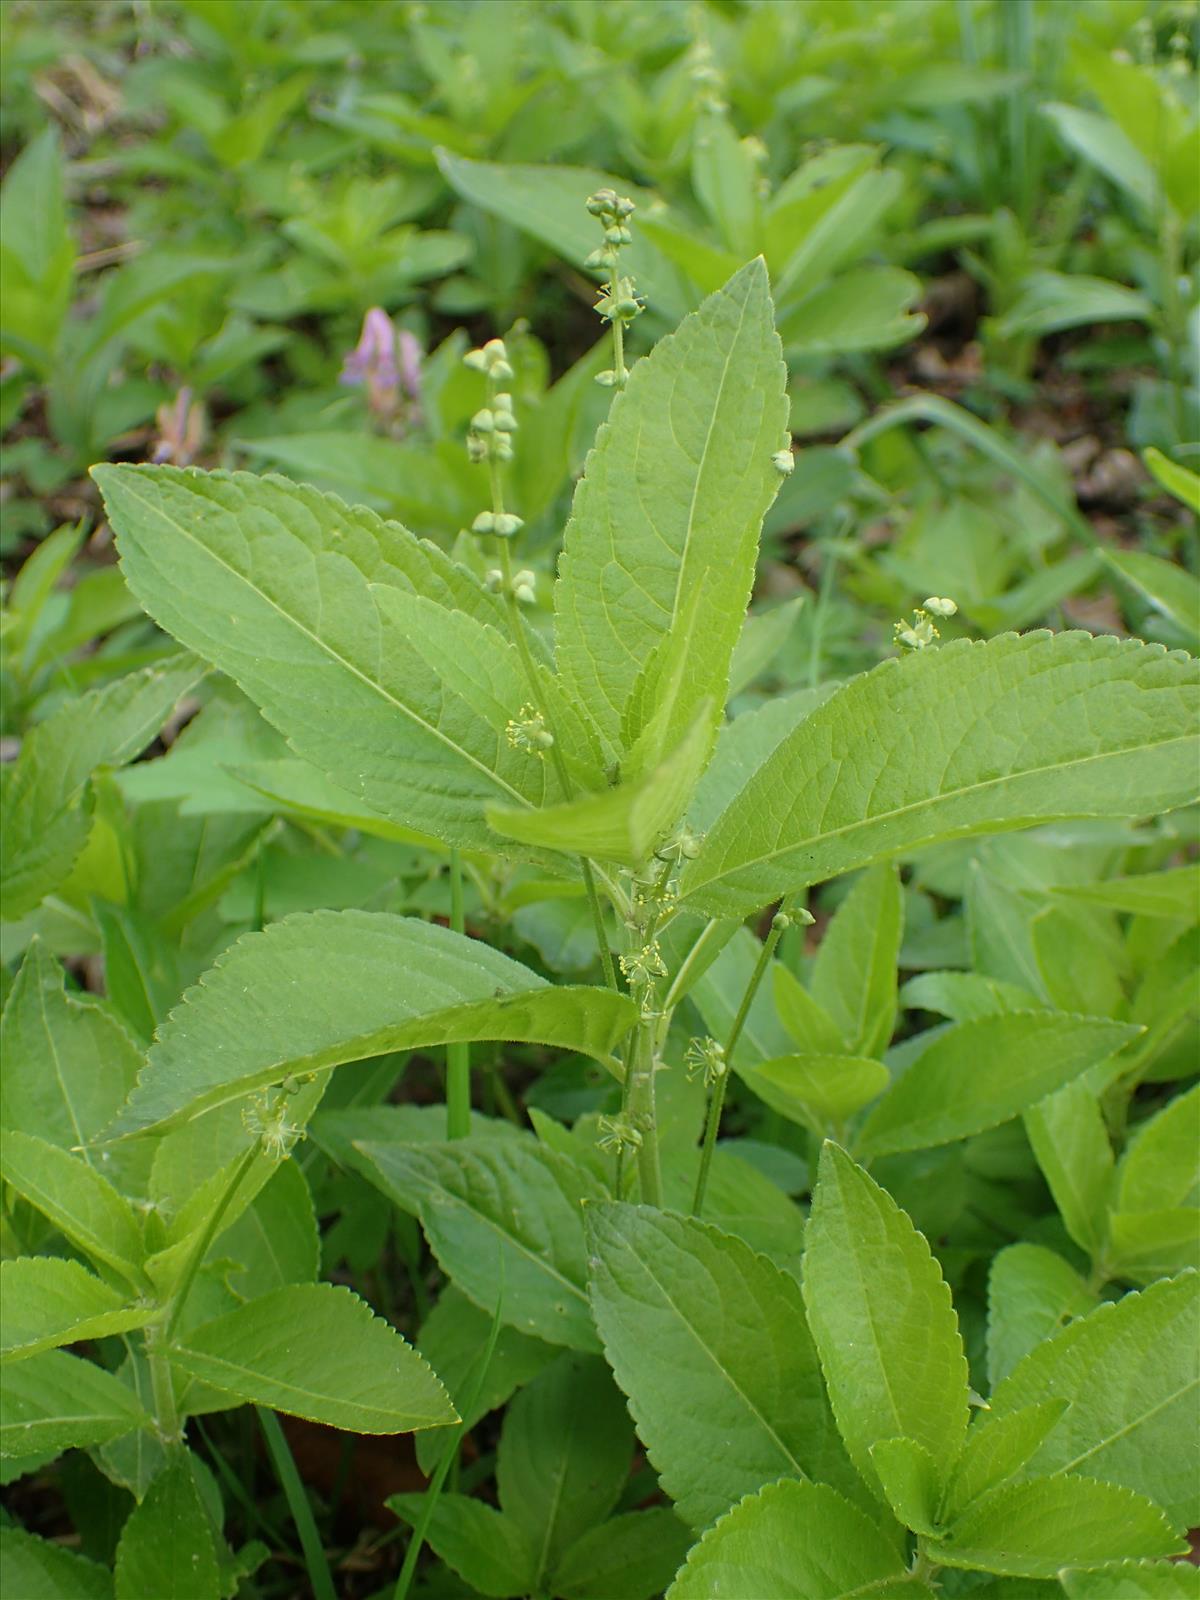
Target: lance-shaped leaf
962	739
817	1091
317	1351
1131	1372
68	1062
795	1539
80	1202
975	1075
883	1321
324	987
672	498
43	821
167	1547
709	1341
622	824
33	1566
1035	1528
854	974
50	1302
379	658
504	1219
55	1402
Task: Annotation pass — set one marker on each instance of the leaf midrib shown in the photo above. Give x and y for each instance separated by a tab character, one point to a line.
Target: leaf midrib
722	1370
927	803
328	649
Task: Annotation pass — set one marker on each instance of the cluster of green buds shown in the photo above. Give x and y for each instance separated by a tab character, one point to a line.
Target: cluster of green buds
524	583
705	1058
618	302
922	630
528	732
503	524
489	435
707	79
644	965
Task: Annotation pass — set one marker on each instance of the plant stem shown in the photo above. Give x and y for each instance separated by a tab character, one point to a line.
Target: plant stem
620	374
166	1413
298	1505
206	1238
717	1102
458	1056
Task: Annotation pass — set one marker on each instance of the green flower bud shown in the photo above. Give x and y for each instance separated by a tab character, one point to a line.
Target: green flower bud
501	371
783	461
476	360
493	580
606	379
485	522
483	421
505	524
940	606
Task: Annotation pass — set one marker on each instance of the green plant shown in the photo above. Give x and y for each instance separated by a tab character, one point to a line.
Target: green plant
810	1439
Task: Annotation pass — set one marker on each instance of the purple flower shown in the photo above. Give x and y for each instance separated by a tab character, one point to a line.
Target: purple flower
373	359
389	364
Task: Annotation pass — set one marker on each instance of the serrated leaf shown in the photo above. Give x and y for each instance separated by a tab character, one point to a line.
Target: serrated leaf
630	1557
854	974
909	1476
49	1302
962	739
43	823
1032	1292
262	1011
481	1544
976	1075
167	1547
791	1539
68	1062
1130	1371
996	1450
882	1319
817	1091
1134	1580
1035	1528
504	1219
964	996
316	1351
1070	1140
80	1202
564	1456
622	824
37	1569
54	1401
1161	1165
382	662
709	1341
672	497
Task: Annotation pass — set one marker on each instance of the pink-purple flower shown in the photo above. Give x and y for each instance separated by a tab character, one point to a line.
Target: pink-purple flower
388	364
